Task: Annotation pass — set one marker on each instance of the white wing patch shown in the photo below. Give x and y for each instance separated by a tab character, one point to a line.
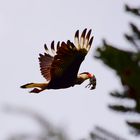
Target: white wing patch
84	41
53	49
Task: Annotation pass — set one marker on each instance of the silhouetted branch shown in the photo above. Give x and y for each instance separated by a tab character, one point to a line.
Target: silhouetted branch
135	11
121	108
48	131
121	95
100	133
136	126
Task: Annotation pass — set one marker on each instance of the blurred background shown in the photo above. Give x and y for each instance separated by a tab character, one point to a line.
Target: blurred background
111	111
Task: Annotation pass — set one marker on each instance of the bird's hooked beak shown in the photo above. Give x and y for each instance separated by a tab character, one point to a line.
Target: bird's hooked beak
92	82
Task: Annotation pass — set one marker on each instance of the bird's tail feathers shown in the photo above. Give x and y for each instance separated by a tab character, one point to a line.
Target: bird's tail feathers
38	87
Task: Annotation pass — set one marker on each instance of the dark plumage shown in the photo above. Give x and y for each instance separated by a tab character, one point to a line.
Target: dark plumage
60	66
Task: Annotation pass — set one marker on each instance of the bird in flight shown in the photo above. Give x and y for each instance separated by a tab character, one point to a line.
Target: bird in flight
60	64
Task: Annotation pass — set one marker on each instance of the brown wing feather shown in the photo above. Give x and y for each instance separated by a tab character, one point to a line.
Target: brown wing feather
64	65
61	61
46	60
45	65
69	57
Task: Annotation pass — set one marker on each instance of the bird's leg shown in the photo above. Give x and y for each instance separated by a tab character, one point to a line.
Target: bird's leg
36	90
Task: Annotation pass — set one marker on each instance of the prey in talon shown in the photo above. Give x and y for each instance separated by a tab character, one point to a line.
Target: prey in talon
92	83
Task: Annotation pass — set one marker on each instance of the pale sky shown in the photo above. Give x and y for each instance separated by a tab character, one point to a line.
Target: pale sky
25	25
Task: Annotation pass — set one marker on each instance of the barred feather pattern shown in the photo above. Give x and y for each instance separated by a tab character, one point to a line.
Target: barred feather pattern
46	60
84	41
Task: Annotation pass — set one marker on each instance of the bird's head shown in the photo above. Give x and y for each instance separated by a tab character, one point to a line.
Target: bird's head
85	75
91	77
92	80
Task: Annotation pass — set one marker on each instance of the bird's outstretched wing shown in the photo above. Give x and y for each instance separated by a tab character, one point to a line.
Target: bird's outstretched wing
69	57
64	65
46	60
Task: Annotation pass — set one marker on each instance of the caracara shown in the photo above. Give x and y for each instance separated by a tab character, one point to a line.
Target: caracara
60	65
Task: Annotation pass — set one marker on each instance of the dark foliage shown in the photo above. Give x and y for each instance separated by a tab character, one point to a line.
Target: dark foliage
127	66
135	11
